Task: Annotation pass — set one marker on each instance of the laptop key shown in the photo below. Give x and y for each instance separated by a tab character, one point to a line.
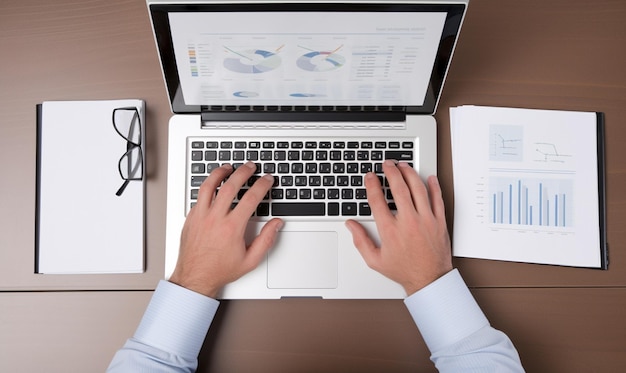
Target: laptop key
263	209
196	181
196	155
224	155
348	209
277	193
211	166
400	155
239	155
194	194
298	209
333	208
293	155
291	193
319	193
210	155
301	181
252	155
305	193
286	180
364	209
198	168
280	155
283	168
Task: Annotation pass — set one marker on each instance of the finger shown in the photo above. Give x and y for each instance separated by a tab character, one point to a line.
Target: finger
363	243
376	198
416	186
399	188
206	194
262	243
230	188
436	198
251	199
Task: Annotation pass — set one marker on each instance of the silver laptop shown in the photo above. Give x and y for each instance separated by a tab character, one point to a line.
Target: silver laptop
316	93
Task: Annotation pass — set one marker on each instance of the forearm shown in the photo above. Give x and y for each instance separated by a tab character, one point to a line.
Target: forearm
457	332
170	334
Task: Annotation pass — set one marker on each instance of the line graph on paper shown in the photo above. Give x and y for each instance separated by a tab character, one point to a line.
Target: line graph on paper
549	152
506	143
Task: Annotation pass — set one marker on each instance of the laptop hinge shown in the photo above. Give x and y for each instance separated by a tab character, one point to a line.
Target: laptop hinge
304	114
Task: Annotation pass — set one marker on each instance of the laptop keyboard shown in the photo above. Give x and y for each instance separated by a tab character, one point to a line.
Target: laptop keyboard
311	178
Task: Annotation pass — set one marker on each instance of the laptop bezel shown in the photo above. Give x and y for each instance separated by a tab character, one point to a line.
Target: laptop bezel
160	22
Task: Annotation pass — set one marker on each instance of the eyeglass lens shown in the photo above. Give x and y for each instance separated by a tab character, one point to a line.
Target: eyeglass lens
127	124
131	164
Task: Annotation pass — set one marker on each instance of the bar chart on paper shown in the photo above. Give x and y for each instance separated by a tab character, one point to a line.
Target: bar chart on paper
526	201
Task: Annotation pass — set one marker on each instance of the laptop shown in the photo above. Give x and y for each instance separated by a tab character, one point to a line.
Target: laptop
317	93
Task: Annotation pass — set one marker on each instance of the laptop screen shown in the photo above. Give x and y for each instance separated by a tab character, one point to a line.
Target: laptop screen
320	55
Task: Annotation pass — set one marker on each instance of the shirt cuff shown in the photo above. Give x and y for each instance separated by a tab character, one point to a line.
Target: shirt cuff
176	320
445	311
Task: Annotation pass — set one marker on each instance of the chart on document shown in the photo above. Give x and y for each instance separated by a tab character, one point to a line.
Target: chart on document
534	189
526	185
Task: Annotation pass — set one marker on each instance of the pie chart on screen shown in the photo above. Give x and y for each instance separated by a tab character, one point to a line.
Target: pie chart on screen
246	94
321	61
251	61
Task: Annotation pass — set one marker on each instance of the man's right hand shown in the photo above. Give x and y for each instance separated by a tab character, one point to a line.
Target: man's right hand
415	247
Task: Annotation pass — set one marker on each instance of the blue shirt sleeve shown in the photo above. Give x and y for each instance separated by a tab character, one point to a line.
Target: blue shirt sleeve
457	332
454	328
170	334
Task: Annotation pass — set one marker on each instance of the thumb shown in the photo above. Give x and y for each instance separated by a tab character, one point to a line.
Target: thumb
263	242
363	242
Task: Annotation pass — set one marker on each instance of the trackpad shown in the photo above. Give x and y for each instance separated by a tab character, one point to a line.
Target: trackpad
303	260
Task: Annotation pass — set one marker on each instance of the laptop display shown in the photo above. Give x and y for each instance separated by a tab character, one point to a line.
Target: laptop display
335	54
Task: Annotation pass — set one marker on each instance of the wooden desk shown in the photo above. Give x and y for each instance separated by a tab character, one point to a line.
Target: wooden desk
556	54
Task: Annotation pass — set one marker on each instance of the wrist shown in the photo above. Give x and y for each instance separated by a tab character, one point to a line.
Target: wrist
200	287
414	285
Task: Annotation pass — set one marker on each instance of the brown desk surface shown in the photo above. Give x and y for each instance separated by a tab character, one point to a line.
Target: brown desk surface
556	54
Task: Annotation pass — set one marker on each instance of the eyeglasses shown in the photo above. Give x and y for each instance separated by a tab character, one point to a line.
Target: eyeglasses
127	124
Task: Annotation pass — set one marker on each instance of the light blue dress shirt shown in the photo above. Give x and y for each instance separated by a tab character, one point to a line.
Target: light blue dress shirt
454	328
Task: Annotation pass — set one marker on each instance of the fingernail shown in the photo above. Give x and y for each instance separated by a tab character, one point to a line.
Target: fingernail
280	225
250	165
268	177
348	225
403	164
390	162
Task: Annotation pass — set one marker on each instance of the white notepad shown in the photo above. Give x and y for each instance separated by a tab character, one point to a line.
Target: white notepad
82	225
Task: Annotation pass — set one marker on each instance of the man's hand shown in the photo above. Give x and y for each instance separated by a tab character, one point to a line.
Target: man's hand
415	247
213	252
